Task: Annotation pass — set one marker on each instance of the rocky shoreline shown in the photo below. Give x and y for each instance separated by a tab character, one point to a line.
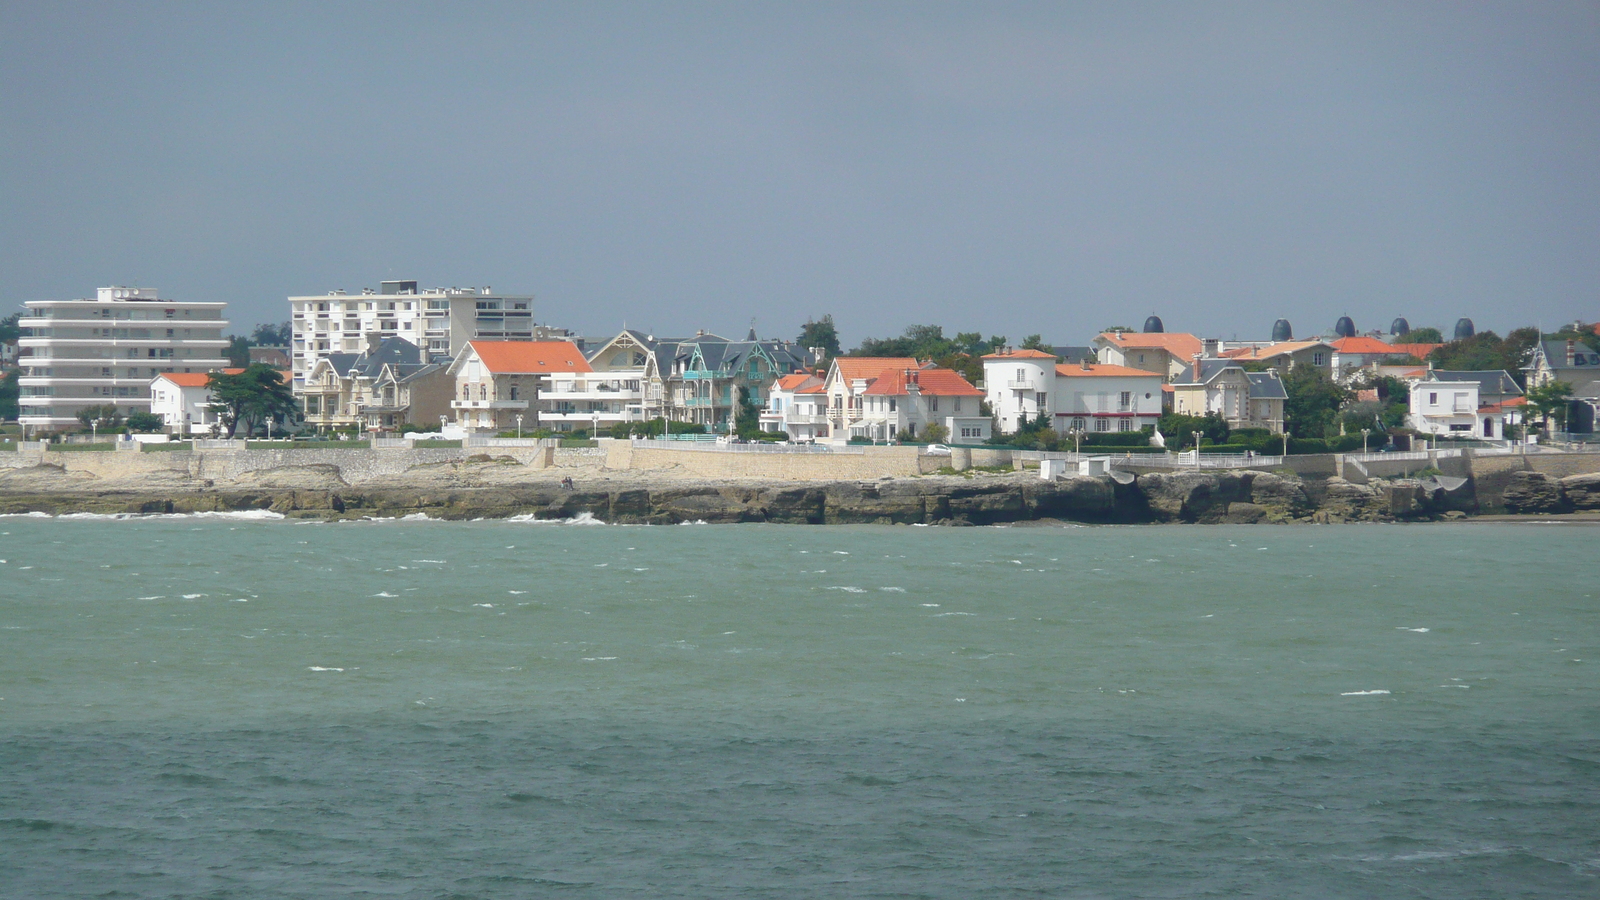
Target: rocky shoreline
1244	497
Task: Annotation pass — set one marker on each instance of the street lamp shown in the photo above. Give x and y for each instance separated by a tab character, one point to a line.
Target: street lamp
1197	449
519	426
1364	433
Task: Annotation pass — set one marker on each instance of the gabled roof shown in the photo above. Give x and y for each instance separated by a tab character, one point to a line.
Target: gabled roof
1210	368
530	357
1368	345
193	379
795	381
1272	351
1027	353
854	367
1420	351
935	382
1103	371
1555	353
1266	386
1490	381
1179	344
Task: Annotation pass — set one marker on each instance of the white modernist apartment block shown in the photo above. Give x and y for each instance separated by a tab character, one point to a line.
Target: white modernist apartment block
439	320
105	351
573	400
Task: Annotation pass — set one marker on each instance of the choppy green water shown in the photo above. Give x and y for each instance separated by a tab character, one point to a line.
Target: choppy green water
217	707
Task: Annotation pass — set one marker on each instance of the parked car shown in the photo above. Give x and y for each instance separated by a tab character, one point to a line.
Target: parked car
937	450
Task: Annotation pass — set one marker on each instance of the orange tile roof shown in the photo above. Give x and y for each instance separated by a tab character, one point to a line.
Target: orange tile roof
1020	354
938	382
1272	350
1362	344
1179	344
193	379
526	357
790	382
1103	371
853	367
1420	351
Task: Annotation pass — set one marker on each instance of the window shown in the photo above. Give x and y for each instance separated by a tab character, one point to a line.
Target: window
1039	401
891	407
1316	359
957	404
933	404
1102	425
1077	424
1433	399
1126	400
483	392
1124	424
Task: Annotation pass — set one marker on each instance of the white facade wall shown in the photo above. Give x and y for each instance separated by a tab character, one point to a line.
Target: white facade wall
1445	407
441	321
183	410
569	401
1019	389
1106	403
105	351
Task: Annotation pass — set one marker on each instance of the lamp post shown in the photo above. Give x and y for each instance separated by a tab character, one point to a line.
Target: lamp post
1077	439
1197	449
1286	444
519	426
94	430
1364	433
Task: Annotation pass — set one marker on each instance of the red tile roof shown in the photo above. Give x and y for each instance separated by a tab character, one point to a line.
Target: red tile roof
790	382
1369	345
1020	354
854	367
193	379
1272	350
1184	346
1420	351
526	357
938	382
1103	371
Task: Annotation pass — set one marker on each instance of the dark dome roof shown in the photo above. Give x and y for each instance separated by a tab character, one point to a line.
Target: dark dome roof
1281	331
1400	327
1153	325
1344	327
1464	329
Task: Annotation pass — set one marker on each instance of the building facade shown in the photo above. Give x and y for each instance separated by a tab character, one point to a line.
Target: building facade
497	383
439	321
1222	386
105	351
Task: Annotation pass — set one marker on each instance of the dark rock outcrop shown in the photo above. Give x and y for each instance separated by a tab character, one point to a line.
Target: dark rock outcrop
1581	491
1533	492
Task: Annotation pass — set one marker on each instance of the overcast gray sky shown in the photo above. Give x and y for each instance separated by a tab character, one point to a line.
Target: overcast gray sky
1009	168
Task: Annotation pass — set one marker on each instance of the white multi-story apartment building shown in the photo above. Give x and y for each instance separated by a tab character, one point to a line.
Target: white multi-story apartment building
440	321
1085	397
105	351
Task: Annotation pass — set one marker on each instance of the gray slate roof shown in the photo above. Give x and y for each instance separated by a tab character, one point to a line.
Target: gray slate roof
1266	386
1491	382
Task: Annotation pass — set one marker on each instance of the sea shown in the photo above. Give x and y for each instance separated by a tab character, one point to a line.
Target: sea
243	706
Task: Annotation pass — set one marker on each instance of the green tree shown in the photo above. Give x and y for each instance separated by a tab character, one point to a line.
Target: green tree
250	398
277	335
1487	351
238	351
1425	335
100	417
1550	400
144	422
9	329
1034	342
9	392
935	433
1579	331
1178	427
747	415
1313	401
821	333
1116	328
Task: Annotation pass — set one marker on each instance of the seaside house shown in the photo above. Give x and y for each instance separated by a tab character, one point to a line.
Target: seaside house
900	404
382	388
1577	364
183	401
847	380
1018	385
700	379
1099	398
1167	355
797	405
498	382
1285	355
1222	386
1479	404
1353	355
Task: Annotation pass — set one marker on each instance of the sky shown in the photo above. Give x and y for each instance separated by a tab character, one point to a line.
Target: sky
1050	168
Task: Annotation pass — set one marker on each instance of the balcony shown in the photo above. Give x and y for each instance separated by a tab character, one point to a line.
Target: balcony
488	404
1023	384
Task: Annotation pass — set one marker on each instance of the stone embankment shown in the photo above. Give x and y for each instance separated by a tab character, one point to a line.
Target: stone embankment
669	487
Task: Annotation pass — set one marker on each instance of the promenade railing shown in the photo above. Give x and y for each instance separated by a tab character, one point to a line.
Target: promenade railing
713	447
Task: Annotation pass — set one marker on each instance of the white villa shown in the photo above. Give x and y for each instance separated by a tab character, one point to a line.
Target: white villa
900	404
497	382
797	405
183	401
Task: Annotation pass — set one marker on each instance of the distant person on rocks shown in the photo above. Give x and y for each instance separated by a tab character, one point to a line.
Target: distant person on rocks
566	482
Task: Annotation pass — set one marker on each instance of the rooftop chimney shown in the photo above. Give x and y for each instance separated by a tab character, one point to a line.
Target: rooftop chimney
1572	347
1085	363
1197	358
